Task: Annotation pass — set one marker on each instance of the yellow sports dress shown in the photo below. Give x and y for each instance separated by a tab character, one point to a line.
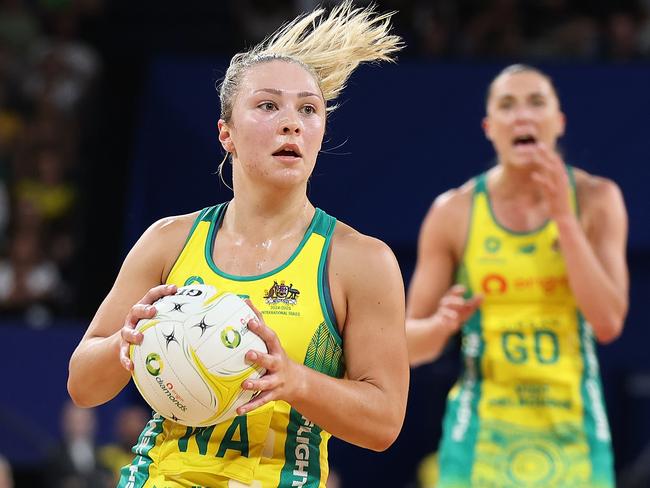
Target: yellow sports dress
528	409
273	445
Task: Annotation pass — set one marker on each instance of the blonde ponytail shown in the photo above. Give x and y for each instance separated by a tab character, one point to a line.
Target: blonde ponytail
331	46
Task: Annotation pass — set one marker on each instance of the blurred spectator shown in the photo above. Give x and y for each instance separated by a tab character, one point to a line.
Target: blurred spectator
18	26
48	127
48	190
256	18
74	464
52	197
644	28
623	36
4	205
560	29
29	282
434	24
495	30
129	423
6	478
63	67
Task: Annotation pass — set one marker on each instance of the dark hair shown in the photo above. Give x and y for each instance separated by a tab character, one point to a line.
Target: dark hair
520	68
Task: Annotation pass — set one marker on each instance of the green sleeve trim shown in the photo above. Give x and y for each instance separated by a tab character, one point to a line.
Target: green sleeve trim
481	183
574	189
322	223
328	223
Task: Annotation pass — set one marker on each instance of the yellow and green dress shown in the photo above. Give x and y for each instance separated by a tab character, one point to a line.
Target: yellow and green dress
528	409
274	445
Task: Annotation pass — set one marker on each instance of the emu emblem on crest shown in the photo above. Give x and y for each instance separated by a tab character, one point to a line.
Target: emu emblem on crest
281	293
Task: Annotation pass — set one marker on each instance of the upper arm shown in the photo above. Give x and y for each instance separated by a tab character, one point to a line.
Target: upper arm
373	331
439	248
144	267
606	226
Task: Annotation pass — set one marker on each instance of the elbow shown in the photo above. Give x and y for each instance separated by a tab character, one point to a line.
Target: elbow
607	331
607	325
387	434
76	394
383	440
76	398
80	399
609	334
417	358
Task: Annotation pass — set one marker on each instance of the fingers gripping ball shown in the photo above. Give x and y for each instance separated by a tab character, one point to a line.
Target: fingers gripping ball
191	363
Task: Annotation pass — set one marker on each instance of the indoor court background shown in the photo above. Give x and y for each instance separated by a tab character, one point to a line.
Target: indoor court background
141	144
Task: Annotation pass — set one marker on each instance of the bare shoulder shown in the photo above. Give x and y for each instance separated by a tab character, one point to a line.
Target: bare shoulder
596	193
174	225
601	205
362	268
447	221
166	237
454	203
352	249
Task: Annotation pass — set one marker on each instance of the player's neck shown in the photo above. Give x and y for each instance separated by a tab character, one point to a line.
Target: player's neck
510	182
254	216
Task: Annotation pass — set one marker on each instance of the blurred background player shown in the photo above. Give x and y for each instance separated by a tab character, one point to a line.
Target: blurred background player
535	251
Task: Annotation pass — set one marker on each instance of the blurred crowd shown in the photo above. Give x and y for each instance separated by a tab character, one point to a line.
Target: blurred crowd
479	29
77	459
46	77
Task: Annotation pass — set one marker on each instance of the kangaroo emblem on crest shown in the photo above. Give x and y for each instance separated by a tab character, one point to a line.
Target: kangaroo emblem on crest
281	293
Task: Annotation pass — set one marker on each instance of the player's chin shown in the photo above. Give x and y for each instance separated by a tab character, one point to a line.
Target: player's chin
521	160
289	177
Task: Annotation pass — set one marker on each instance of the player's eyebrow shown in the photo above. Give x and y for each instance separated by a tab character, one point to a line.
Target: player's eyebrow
275	91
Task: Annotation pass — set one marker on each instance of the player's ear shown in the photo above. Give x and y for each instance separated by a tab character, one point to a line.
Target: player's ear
224	136
561	124
485	123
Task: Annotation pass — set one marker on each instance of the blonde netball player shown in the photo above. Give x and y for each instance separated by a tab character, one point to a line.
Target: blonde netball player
535	251
330	300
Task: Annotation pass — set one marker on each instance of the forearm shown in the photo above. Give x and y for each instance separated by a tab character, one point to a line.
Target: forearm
373	416
425	341
603	304
95	372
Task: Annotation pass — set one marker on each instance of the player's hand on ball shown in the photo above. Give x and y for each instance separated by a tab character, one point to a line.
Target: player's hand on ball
144	309
454	309
282	374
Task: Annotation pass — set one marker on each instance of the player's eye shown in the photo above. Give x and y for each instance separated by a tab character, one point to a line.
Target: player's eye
538	102
268	106
506	104
308	110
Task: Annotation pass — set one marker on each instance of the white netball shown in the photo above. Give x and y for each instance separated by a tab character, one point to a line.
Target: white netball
190	365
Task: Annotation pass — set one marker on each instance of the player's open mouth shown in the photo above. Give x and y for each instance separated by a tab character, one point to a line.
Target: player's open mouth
288	151
524	140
